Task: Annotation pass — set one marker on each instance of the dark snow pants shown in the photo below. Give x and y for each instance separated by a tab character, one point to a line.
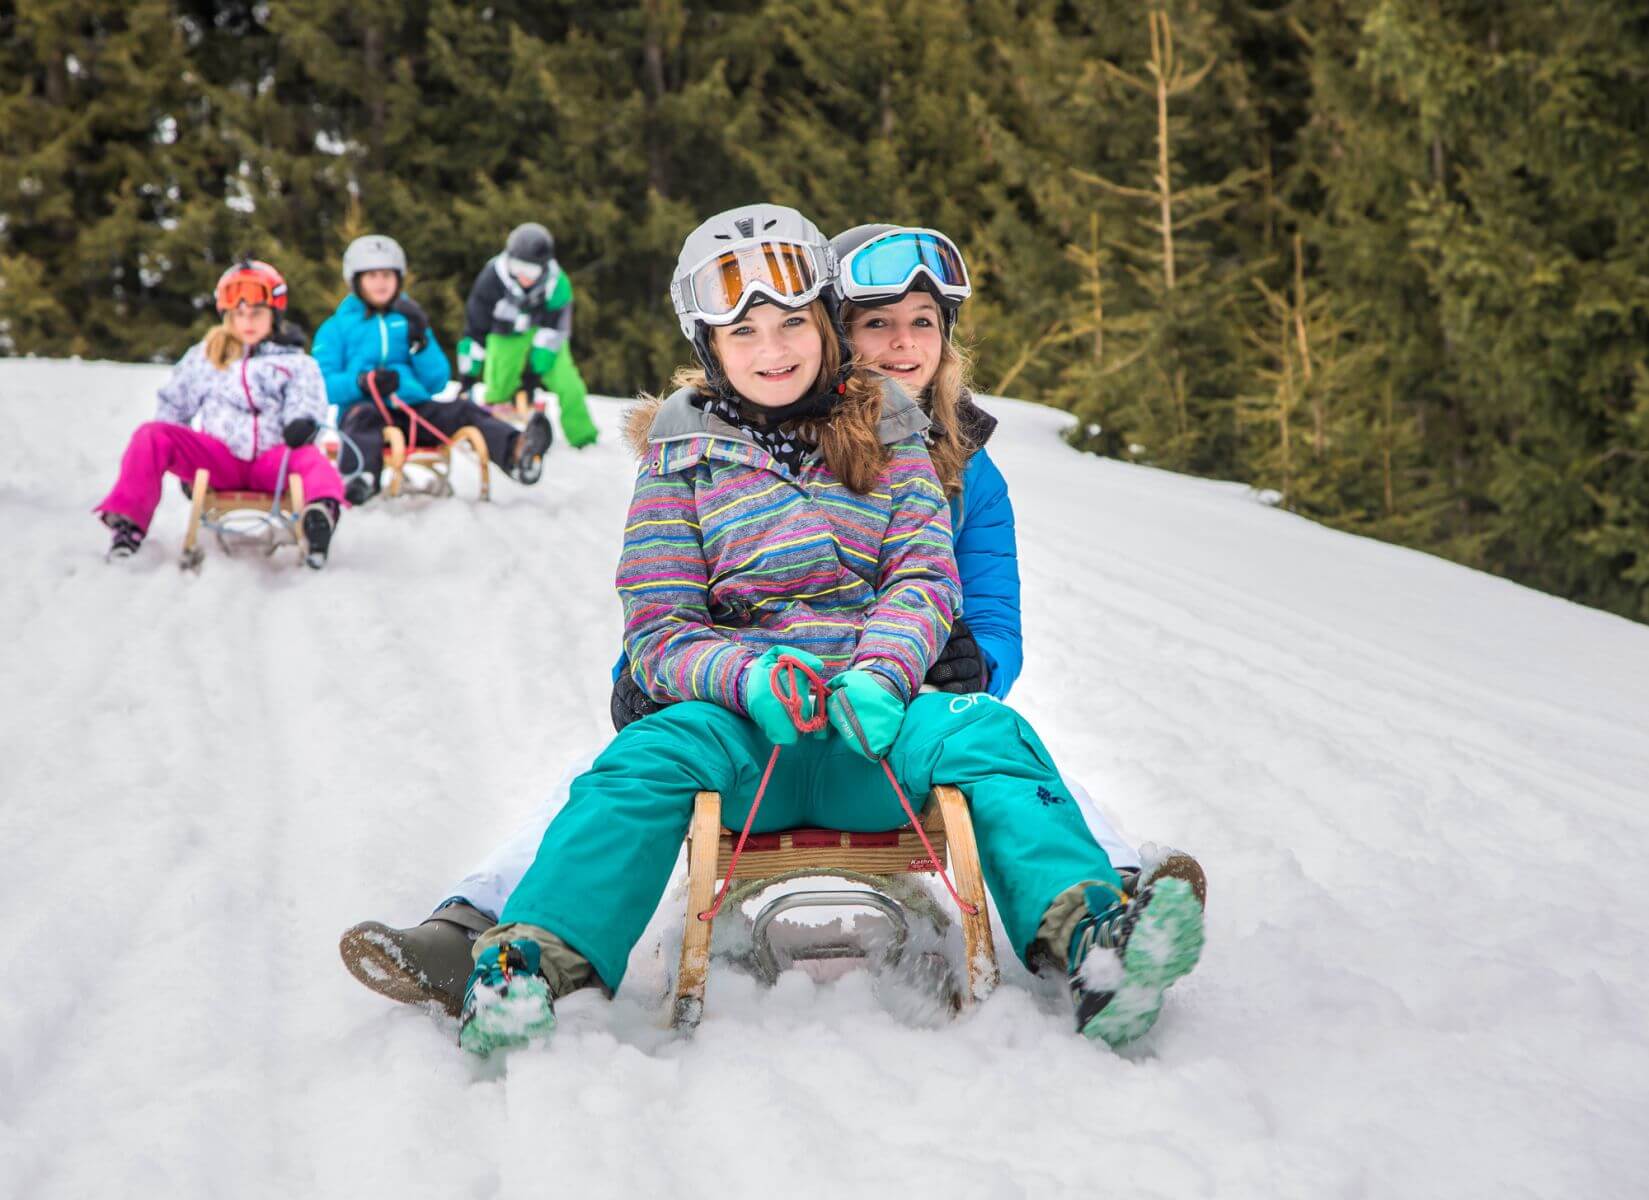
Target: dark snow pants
365	426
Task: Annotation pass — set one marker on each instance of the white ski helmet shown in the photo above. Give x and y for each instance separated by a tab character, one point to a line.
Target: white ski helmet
757	252
723	266
374	252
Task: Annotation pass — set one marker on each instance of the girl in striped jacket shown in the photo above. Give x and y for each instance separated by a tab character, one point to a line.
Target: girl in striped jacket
786	506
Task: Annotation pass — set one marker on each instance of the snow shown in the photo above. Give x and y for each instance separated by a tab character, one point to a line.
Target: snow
1419	793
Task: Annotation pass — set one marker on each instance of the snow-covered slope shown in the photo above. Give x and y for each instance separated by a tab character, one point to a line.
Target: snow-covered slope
1422	796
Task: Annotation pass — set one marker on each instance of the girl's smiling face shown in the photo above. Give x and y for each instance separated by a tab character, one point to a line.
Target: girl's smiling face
902	340
771	355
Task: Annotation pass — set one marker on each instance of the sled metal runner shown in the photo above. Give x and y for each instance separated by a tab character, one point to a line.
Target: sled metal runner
875	859
242	520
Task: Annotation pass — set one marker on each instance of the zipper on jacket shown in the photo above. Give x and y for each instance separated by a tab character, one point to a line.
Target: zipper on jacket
383	341
246	386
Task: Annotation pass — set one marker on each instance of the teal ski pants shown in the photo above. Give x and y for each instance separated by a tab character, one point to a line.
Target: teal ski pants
607	857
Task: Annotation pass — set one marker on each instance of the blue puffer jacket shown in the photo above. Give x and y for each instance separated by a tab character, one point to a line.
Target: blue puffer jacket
356	339
987	559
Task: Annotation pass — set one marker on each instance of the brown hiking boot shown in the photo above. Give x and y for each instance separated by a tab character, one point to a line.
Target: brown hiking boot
1164	862
428	963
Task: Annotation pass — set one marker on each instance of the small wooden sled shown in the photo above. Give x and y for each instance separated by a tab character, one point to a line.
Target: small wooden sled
434	462
877	859
242	519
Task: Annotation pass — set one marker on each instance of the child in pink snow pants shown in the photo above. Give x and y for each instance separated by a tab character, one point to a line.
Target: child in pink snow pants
260	401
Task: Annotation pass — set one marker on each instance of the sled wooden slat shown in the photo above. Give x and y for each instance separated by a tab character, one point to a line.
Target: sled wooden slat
710	849
197	509
759	861
221	503
701	894
970	885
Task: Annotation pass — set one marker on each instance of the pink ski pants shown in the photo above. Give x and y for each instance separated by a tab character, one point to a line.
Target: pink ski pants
159	446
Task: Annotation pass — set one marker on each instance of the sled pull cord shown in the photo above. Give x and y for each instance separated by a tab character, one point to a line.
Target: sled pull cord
791	697
372	386
853	721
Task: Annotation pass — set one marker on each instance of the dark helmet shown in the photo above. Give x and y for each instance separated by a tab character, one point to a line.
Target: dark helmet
849	240
531	243
846	242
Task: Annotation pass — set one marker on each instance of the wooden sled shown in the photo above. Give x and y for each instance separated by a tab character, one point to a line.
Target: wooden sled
874	858
434	462
242	519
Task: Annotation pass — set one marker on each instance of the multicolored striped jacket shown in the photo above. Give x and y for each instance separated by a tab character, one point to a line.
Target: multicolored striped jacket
727	554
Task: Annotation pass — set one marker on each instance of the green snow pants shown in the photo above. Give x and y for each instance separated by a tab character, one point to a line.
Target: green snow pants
607	857
511	355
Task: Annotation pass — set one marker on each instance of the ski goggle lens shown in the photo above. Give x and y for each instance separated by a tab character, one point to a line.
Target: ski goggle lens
888	264
522	269
244	289
720	287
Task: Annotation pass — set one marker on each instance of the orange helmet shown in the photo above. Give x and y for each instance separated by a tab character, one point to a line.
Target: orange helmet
251	282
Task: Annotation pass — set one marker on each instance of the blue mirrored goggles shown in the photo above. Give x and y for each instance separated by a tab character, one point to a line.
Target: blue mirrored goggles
888	266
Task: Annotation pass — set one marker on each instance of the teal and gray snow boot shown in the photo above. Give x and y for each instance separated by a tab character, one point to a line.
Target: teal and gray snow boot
508	1002
1126	952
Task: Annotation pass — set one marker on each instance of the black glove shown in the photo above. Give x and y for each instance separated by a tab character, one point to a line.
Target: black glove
960	667
388	380
300	432
629	702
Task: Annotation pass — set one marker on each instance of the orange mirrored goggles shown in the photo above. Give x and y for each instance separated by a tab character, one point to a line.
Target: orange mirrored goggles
720	288
251	284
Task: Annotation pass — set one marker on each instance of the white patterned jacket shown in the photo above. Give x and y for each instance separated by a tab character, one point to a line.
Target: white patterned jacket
247	404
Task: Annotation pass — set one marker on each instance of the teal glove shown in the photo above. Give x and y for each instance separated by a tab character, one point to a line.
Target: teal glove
865	712
764	706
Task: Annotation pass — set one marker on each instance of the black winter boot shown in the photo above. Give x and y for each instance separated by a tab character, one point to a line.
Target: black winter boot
361	489
127	537
317	522
527	455
429	962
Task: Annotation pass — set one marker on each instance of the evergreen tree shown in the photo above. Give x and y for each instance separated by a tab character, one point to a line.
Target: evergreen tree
1387	257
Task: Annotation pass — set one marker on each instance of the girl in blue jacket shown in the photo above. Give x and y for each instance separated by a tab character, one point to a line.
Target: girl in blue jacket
379	339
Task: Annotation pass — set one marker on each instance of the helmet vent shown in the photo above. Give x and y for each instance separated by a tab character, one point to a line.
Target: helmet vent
747	226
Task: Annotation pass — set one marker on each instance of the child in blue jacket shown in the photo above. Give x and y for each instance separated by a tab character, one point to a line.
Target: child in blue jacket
380	340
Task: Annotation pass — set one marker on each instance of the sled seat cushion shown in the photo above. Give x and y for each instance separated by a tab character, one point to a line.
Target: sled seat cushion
885	852
222	502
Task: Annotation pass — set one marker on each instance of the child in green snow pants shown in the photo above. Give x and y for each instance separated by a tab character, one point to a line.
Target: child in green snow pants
512	356
606	859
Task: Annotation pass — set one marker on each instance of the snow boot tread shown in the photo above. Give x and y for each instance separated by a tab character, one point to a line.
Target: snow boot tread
426	964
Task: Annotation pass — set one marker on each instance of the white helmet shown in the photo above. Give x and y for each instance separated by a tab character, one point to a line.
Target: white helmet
374	252
764	250
757	252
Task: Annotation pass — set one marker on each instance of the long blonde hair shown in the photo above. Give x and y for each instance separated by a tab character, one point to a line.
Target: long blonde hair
848	438
223	344
948	443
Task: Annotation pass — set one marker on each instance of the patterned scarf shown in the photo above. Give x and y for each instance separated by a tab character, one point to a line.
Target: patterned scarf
789	448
